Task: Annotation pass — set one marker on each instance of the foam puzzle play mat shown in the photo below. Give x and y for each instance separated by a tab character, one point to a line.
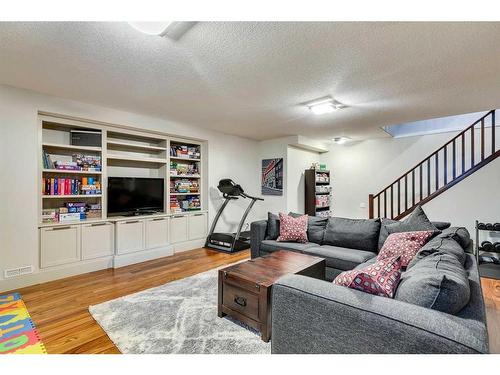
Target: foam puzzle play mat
18	334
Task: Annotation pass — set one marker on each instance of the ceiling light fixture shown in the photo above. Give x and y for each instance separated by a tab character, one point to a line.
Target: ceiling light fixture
324	105
172	29
341	140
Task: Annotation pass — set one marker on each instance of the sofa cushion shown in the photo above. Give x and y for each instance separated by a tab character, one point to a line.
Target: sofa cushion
459	234
293	228
360	234
441	225
273	226
405	245
416	221
315	227
273	245
438	282
380	278
444	245
367	263
340	257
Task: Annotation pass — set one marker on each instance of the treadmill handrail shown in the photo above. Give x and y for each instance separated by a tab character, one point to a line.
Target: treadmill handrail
245	195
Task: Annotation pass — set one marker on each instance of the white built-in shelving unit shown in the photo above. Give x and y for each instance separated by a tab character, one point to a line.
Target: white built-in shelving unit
125	152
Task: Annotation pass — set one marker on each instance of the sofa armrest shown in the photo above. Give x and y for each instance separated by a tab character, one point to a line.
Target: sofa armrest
257	235
315	316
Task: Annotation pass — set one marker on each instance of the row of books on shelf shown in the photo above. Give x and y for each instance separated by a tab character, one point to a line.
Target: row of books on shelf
324	213
79	162
322	201
177	169
70	186
323	189
72	211
322	177
184	186
184	151
186	204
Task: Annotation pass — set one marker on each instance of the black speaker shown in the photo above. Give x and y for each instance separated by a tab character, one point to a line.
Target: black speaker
496	246
489	226
481	226
496	226
86	138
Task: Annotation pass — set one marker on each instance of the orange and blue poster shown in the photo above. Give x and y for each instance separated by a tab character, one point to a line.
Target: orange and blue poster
18	334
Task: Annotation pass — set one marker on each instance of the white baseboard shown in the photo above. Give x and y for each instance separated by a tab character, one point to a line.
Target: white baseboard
122	260
188	245
55	273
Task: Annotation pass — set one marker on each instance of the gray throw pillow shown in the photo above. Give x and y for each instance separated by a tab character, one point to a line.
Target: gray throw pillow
273	226
441	225
360	234
459	234
315	227
437	282
416	221
443	245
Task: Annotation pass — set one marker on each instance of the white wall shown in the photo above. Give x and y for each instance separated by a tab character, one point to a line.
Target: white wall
298	161
359	169
229	157
271	149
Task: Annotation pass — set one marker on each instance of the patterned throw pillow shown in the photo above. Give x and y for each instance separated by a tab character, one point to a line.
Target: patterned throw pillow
404	244
293	229
380	278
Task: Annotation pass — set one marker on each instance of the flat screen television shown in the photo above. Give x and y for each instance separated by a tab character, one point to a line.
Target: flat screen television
135	196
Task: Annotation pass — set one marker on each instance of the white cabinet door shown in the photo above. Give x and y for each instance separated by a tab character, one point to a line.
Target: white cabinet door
156	232
129	236
197	225
97	240
178	228
59	245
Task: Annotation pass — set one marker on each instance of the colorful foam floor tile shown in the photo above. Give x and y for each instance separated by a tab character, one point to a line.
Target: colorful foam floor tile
18	334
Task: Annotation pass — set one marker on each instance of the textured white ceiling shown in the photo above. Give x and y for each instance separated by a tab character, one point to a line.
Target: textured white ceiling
249	78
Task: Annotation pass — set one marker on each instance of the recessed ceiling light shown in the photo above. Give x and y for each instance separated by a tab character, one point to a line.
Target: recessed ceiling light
171	29
324	105
341	140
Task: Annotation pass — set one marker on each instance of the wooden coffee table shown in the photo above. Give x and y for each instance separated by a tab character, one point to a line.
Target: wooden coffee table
245	288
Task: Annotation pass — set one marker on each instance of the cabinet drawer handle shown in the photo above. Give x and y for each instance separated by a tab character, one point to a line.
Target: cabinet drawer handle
131	222
62	228
98	224
177	217
198	214
159	219
240	301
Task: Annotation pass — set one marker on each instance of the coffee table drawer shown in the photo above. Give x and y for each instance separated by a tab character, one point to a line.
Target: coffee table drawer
241	300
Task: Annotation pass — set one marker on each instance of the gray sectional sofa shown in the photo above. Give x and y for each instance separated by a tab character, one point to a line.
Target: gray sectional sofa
316	316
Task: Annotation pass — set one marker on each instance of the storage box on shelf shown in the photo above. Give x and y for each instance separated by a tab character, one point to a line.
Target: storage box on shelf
317	193
74	225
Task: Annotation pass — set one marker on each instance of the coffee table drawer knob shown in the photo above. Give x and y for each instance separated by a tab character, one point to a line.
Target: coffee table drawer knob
240	301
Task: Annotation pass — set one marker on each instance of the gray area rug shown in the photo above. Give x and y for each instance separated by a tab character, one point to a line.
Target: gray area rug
178	317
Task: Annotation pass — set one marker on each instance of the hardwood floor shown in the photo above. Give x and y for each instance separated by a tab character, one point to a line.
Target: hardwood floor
491	293
60	308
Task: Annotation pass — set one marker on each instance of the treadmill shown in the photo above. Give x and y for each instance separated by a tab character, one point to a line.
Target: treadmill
230	242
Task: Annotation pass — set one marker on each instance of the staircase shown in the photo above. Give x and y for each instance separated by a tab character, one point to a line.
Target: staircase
464	154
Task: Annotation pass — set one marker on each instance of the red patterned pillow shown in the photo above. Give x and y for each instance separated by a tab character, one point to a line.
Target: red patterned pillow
380	278
405	244
293	229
